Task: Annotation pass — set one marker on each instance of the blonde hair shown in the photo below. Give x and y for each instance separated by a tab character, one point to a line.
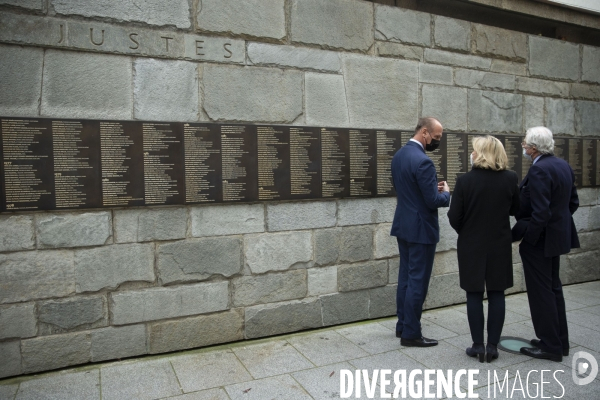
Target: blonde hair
490	153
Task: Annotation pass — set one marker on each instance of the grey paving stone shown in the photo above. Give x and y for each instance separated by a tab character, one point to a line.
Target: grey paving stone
341	308
17	321
553	58
510	317
504	358
278	251
16	232
322	280
366	211
274	357
301	215
297	57
72	314
10	351
322	383
398	50
140	380
209	370
402	25
392	360
278	387
593	310
210	394
283	317
373	338
62	385
583	318
325	100
269	288
326	347
450	103
581	296
118	342
227	219
149	224
21	80
450	319
589	338
451	33
45	353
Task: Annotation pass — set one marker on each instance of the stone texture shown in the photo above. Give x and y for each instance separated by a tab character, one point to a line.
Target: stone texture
590	67
210	48
448	236
327	245
165	90
583	267
118	342
341	308
540	86
296	57
458	60
589	241
594	221
278	251
585	91
300	215
533	112
381	92
109	266
277	318
450	33
431	73
150	224
21	80
356	243
31	29
366	211
588	196
322	280
496	42
85	85
73	230
196	260
269	288
483	80
445	262
362	276
508	67
258	18
152	12
393	267
227	220
450	103
385	245
79	313
581	218
495	112
17	321
325	100
402	25
553	58
382	301
276	94
561	116
16	232
29	4
333	24
36	275
10	353
587	118
193	332
51	352
398	50
444	290
162	303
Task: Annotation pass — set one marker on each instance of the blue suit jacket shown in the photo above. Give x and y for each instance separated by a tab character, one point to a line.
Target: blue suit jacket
548	201
415	181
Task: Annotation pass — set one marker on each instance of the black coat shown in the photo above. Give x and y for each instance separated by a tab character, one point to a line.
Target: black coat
480	210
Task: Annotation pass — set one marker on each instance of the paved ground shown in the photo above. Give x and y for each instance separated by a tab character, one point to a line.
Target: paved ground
308	365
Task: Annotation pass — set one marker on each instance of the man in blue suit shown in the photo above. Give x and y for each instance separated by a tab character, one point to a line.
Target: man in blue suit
416	226
545	223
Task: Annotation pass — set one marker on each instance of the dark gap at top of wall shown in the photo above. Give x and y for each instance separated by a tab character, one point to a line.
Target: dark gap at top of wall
514	21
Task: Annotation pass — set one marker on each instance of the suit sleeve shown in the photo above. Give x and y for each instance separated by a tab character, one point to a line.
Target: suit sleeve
427	181
539	185
516	197
456	211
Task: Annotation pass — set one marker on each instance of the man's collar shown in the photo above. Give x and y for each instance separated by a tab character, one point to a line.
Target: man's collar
416	141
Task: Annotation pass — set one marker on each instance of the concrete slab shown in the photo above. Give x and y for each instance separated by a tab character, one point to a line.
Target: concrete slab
582	318
592	310
452	320
584	336
504	358
322	383
373	338
139	380
63	385
326	347
274	357
281	387
211	394
428	328
392	360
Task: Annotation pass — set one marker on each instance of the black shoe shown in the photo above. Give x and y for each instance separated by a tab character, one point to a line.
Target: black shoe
477	350
399	334
536	343
421	342
541	354
491	351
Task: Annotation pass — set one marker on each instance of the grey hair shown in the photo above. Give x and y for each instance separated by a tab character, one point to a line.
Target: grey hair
540	137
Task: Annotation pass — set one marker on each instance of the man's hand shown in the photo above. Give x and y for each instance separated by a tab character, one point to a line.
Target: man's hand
443	187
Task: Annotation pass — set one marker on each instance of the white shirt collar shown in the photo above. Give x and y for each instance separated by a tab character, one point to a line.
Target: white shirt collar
416	141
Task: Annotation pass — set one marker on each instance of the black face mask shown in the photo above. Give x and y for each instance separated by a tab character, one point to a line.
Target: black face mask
433	145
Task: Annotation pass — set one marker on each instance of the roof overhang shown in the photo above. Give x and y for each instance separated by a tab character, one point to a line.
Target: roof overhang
588	6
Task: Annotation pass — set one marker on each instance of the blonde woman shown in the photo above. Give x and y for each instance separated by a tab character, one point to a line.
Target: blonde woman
480	210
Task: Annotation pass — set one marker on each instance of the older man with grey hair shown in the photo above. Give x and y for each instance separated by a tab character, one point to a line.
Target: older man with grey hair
545	225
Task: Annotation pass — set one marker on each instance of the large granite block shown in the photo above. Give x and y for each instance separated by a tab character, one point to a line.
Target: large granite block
109	266
382	301
582	267
340	24
590	66
585	91
447	103
560	116
366	211
295	57
509	67
277	318
445	262
51	352
325	100
78	313
327	245
356	243
150	224
398	50
276	94
29	4
533	112
483	80
381	92
10	353
322	280
401	25
341	308
161	303
444	290
448	235
300	215
394	268
581	218
17	321
21	80
36	275
73	230
497	42
594	221
362	276
540	86
588	196
458	60
450	33
495	112
385	245
552	58
118	342
227	219
269	288
16	232
85	85
278	251
197	260
431	73
165	90
587	117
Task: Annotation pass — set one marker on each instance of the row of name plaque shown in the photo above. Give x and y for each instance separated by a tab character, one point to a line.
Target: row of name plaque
51	164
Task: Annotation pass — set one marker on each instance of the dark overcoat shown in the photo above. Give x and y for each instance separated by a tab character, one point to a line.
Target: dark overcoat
480	211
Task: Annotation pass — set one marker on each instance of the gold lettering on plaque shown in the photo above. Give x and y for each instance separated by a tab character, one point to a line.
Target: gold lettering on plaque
62	33
137	44
166	41
92	37
227	50
199	47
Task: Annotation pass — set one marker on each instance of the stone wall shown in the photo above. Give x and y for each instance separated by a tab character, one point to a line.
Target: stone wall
97	285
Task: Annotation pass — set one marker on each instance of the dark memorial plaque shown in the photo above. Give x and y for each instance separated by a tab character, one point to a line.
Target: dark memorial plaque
335	163
305	162
439	159
202	153
76	146
121	160
362	144
273	150
561	148
27	163
575	160
388	143
514	153
588	163
457	159
239	163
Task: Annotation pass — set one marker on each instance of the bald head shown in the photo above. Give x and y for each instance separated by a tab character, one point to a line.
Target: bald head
429	123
